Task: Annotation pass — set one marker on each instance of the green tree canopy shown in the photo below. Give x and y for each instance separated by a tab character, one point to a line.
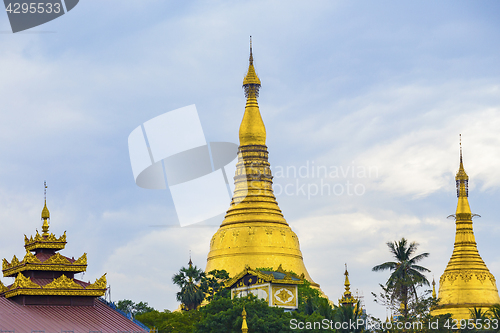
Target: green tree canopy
406	276
189	280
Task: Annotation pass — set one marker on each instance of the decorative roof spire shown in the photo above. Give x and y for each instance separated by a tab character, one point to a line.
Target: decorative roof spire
45	213
434	289
244	326
347	284
462	179
347	298
252	129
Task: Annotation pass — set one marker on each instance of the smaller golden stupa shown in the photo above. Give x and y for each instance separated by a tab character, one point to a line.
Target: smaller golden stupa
244	326
466	282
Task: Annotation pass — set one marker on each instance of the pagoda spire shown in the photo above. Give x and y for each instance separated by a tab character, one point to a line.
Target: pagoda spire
45	213
466	281
254	231
434	289
347	284
252	129
244	326
347	298
462	184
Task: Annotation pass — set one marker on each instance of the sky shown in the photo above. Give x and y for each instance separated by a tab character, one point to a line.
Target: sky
382	88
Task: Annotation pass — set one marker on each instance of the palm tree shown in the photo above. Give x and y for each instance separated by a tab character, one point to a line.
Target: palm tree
189	280
406	275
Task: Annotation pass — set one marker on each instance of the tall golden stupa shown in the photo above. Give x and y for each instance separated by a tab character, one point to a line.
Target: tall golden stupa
254	231
466	282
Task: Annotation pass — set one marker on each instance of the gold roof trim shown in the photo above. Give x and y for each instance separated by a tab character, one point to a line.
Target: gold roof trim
99	283
3	288
63	282
62	286
56	262
45	242
57	259
23	282
264	277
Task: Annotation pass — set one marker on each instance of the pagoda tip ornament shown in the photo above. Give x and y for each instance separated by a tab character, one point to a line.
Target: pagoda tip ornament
45	213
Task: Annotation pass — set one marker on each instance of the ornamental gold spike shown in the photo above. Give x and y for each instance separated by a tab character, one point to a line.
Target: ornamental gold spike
466	282
45	213
254	232
347	284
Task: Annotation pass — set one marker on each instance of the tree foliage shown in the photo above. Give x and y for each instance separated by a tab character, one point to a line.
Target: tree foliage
213	283
224	315
129	306
189	280
406	276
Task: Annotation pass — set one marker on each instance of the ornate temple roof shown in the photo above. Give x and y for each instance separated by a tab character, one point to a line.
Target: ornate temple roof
46	272
45	296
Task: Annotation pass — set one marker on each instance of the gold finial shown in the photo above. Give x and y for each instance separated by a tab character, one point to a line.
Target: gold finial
251	83
347	284
190	263
45	212
251	55
433	288
460	139
244	326
462	179
347	298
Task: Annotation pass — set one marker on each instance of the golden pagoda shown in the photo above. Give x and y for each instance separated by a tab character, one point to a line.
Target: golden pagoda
254	232
466	282
45	277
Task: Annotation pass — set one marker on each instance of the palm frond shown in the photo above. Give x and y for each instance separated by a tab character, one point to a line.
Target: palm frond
385	266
